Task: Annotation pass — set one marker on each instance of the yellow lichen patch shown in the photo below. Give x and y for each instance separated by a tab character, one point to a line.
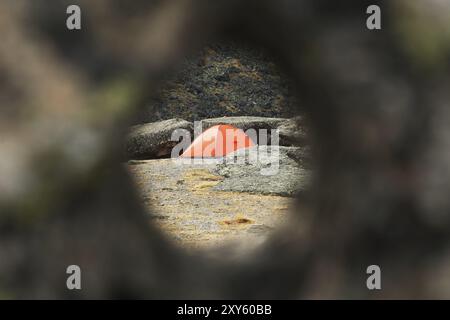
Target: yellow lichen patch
205	185
281	208
201	174
199	180
238	220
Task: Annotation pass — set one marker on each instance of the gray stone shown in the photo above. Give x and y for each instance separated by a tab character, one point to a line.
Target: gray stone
242	173
291	131
153	140
244	123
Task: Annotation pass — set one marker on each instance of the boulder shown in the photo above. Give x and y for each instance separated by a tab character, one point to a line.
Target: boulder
244	122
282	175
153	140
291	131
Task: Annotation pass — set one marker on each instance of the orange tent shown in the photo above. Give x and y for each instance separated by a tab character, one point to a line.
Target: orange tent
218	141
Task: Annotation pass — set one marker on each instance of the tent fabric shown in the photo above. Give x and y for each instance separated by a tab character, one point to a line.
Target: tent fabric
218	141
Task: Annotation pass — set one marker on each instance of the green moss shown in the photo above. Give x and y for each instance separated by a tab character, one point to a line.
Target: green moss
424	38
4	295
115	99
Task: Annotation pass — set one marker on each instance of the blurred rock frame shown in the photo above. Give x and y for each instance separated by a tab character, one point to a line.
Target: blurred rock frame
378	104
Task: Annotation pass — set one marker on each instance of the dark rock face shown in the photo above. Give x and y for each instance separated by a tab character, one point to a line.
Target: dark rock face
154	140
223	80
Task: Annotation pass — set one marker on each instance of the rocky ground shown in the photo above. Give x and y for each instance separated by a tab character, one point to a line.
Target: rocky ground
200	208
195	214
210	202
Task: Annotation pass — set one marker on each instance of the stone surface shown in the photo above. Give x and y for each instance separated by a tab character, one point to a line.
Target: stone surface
291	131
244	122
153	140
260	170
182	199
